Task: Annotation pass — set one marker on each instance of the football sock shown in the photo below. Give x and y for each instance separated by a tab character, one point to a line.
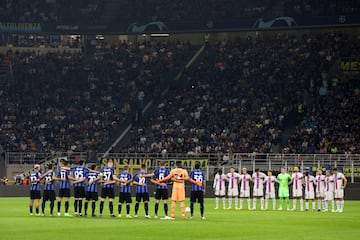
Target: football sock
86	207
58	206
136	208
127	208
101	206
119	208
52	203
76	206
156	208
66	206
80	205
192	208
202	209
111	207
146	207
166	209
93	206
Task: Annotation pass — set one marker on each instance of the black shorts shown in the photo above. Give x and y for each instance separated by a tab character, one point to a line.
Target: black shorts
92	196
197	195
34	194
162	194
79	192
143	196
125	197
49	195
107	192
64	192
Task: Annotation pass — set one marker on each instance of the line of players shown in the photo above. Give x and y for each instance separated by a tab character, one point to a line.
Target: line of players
325	188
89	180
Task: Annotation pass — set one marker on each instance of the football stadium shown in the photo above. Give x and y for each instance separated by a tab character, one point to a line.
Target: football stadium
151	119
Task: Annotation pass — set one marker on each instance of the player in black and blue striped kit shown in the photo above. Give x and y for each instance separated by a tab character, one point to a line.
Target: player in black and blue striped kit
35	193
64	187
125	178
161	190
49	190
107	191
92	190
197	192
142	190
79	173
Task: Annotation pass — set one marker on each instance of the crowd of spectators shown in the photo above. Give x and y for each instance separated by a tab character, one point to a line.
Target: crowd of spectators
92	11
50	10
70	102
181	10
239	96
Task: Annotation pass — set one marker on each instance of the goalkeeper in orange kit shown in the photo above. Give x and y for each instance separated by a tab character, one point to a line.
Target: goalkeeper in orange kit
178	176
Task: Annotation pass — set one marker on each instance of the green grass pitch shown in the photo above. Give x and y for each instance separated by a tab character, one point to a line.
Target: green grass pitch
16	223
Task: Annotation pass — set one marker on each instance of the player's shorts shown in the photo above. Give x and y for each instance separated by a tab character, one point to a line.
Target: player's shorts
64	192
270	195
79	192
197	195
283	193
178	194
245	194
125	197
107	192
142	196
258	192
233	192
297	192
49	195
309	195
329	196
339	193
34	194
220	193
320	194
162	194
91	196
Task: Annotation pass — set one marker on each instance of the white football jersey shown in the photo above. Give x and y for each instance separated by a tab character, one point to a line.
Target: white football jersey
219	182
329	184
309	183
233	179
270	183
297	179
259	179
245	182
339	180
320	183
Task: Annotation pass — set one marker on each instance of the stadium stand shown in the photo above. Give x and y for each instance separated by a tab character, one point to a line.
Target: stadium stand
241	94
68	101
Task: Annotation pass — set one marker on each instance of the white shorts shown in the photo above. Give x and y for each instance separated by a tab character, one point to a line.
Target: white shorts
320	194
245	194
269	195
258	192
233	192
220	193
297	192
329	196
339	193
309	195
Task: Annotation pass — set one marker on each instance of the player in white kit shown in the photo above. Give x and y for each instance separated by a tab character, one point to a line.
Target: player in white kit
270	190
329	191
309	182
233	187
219	188
258	179
297	180
320	188
245	179
340	185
